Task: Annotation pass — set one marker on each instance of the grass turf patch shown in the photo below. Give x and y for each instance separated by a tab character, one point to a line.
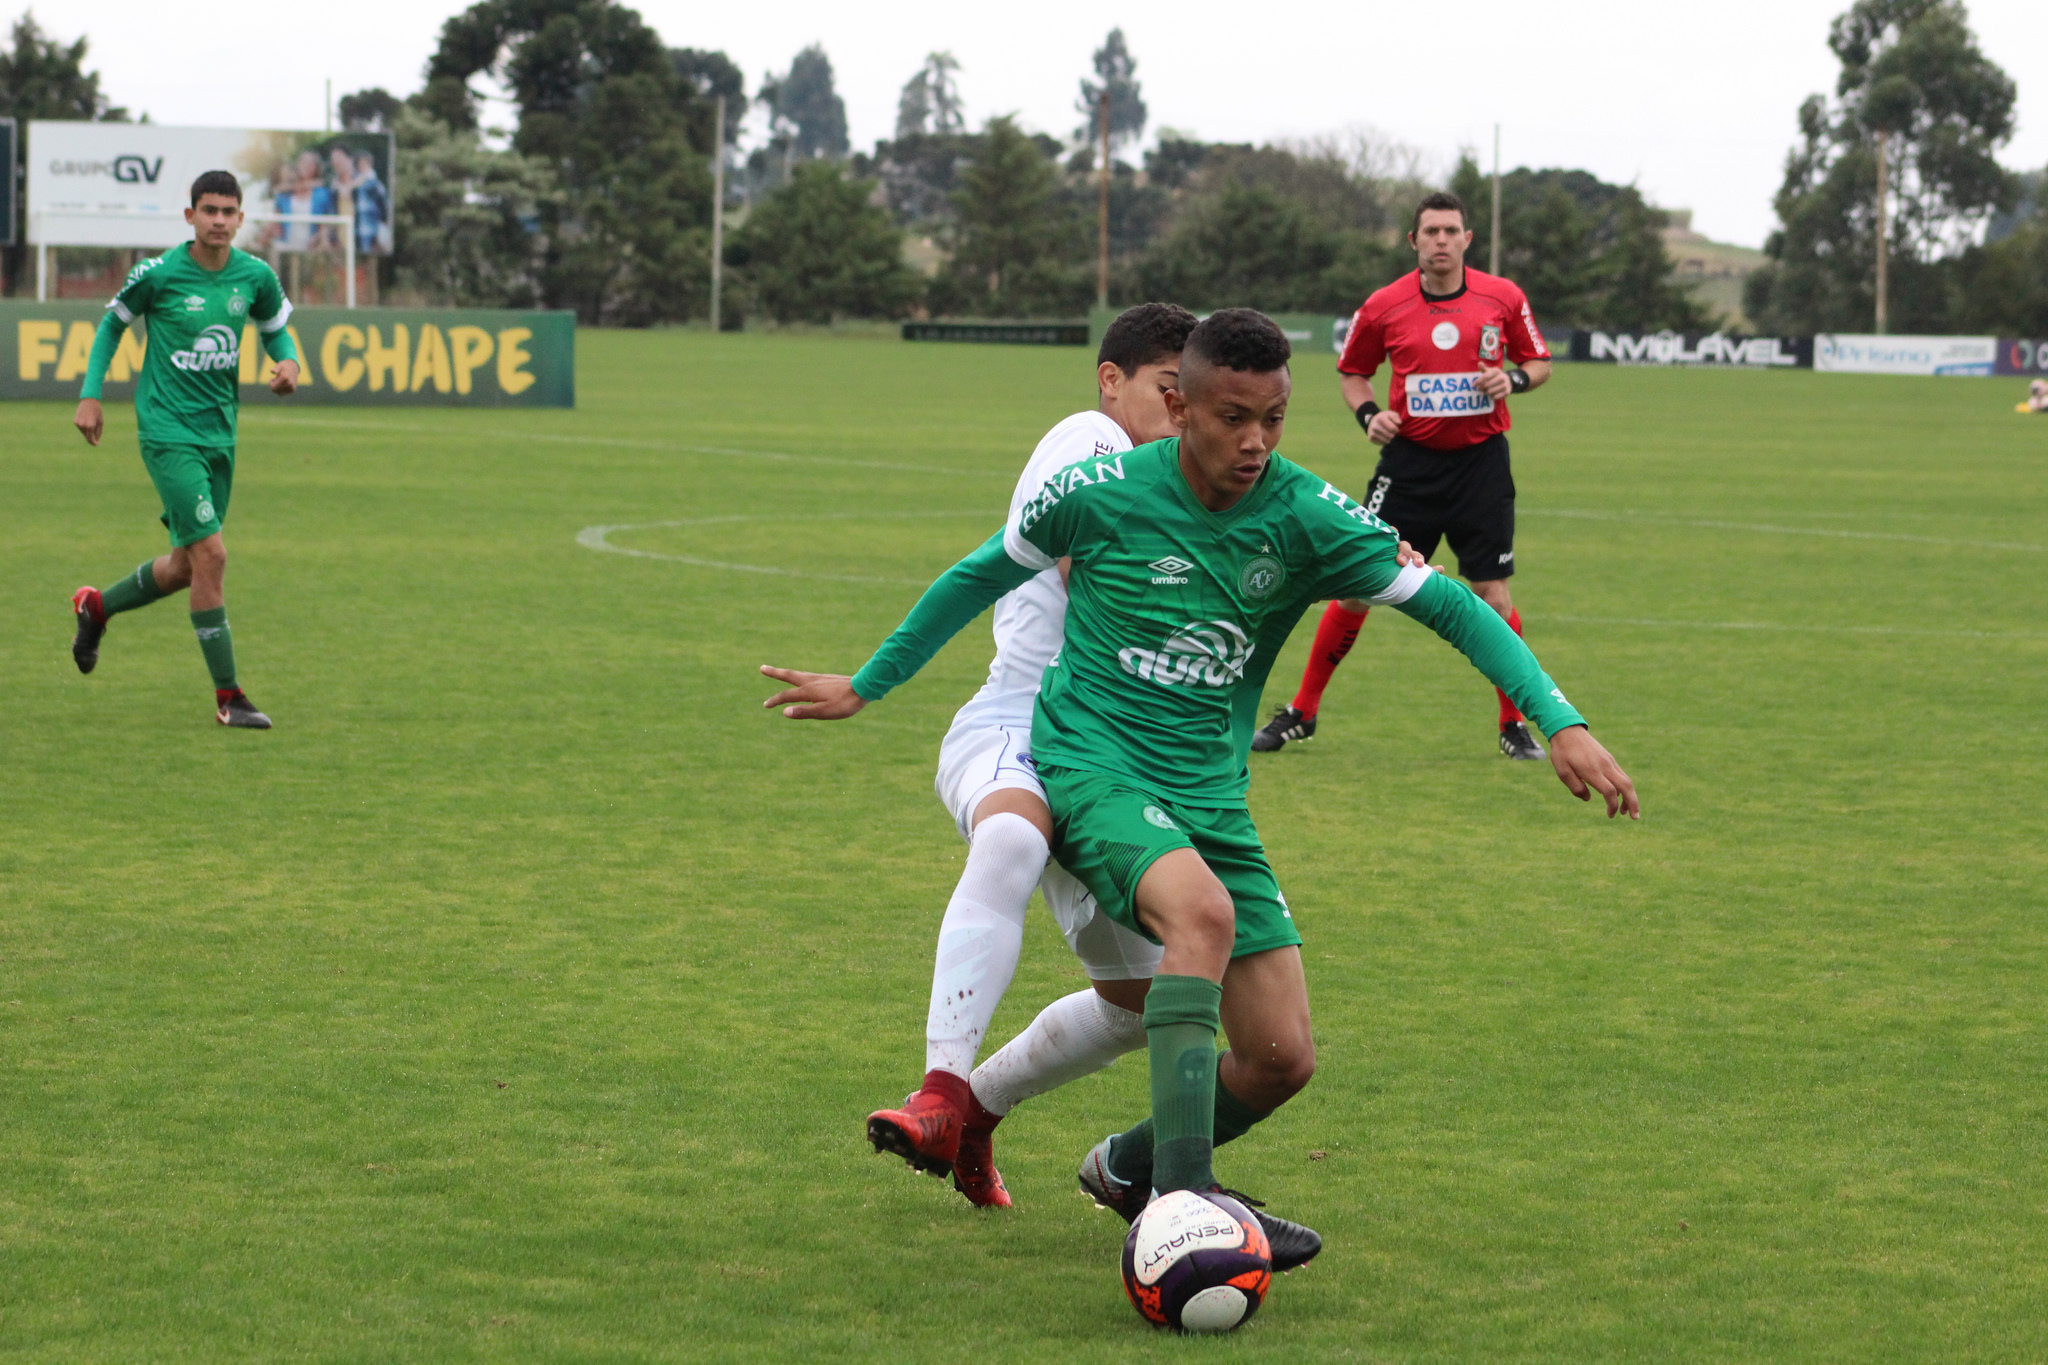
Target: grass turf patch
522	994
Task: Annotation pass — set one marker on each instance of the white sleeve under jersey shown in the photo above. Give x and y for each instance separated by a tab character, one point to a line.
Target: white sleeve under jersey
1031	621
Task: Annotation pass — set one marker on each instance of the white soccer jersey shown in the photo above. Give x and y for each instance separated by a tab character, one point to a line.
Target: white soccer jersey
1031	621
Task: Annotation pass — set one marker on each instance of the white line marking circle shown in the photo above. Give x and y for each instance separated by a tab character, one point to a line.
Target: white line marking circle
599	538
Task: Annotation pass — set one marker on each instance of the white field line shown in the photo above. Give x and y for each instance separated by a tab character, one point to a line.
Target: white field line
1649	623
730	452
630	443
598	538
1764	528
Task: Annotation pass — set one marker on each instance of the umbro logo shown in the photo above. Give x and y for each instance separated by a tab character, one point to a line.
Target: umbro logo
1172	569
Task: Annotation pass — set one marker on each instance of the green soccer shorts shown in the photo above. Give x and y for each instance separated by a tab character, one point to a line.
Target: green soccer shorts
194	483
1107	833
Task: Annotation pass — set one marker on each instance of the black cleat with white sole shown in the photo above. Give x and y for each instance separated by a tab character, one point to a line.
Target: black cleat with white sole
1287	723
1516	742
239	713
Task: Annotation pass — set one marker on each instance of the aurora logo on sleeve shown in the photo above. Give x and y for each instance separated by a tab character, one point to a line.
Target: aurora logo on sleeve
1200	654
216	348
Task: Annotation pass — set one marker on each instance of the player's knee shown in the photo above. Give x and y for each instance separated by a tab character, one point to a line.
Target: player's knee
1355	605
1283	1069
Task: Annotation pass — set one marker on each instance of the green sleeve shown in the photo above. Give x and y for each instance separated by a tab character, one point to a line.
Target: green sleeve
961	593
1455	612
104	343
279	344
270	314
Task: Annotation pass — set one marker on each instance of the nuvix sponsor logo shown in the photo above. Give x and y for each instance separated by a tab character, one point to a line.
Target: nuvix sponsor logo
1202	654
216	348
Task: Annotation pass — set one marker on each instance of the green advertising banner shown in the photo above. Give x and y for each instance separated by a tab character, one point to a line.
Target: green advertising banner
420	357
1318	333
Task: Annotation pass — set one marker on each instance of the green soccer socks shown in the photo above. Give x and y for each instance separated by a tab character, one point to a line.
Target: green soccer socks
211	626
1182	1014
1130	1154
138	589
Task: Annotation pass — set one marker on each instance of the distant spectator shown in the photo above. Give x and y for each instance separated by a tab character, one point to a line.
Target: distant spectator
372	205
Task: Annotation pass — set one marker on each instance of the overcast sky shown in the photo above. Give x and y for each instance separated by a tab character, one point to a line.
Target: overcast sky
1694	103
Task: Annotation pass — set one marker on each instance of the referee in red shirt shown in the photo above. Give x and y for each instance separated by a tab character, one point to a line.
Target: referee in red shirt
1443	471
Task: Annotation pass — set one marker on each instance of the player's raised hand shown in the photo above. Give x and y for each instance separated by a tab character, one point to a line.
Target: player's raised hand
813	696
1584	766
286	379
89	420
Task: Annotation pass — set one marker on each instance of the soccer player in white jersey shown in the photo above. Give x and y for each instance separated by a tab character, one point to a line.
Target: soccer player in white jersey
987	784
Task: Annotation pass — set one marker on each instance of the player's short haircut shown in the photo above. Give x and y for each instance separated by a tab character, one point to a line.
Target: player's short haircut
1239	339
217	182
1146	335
1440	199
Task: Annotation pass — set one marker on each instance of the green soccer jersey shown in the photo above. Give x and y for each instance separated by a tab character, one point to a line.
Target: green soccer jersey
1176	613
188	392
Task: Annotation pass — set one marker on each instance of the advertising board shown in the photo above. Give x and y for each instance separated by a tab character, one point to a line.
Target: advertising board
1849	354
1692	348
454	357
128	184
2022	355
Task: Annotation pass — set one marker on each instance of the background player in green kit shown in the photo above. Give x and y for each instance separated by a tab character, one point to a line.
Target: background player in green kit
1192	559
196	298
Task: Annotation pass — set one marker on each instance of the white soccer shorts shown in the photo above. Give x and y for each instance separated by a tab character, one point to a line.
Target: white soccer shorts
975	762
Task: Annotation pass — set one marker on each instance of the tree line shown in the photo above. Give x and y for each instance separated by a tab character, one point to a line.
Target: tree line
598	196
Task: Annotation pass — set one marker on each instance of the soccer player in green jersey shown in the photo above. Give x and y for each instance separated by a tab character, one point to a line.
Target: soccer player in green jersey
1192	559
196	298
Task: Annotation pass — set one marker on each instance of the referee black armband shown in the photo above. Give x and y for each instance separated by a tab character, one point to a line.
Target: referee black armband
1365	413
1518	381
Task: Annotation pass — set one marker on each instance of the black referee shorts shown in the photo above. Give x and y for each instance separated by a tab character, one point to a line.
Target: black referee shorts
1464	496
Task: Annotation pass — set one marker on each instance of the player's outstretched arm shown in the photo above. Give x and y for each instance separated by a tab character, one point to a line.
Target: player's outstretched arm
813	696
1584	766
1455	612
961	593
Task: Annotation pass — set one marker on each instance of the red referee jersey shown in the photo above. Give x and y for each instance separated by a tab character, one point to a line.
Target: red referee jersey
1438	346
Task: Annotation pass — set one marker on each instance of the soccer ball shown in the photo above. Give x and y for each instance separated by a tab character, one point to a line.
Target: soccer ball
1197	1263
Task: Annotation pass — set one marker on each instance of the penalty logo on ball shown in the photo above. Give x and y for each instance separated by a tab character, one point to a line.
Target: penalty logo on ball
1197	1262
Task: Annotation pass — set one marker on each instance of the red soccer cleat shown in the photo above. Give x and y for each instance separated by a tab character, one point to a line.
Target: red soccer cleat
926	1131
974	1167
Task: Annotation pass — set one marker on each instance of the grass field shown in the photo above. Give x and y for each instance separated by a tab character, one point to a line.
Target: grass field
520	996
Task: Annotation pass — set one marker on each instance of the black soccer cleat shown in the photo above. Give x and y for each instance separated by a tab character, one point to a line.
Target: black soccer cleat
1287	723
1516	742
92	624
1121	1197
240	713
1292	1244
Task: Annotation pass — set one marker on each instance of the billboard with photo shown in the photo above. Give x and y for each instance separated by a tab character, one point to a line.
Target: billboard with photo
128	184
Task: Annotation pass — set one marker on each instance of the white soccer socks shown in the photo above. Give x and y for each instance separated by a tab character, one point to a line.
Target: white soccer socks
981	938
1072	1037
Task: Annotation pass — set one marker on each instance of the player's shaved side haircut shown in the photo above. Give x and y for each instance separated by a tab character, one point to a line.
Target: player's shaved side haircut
1235	339
217	182
1440	199
1145	335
